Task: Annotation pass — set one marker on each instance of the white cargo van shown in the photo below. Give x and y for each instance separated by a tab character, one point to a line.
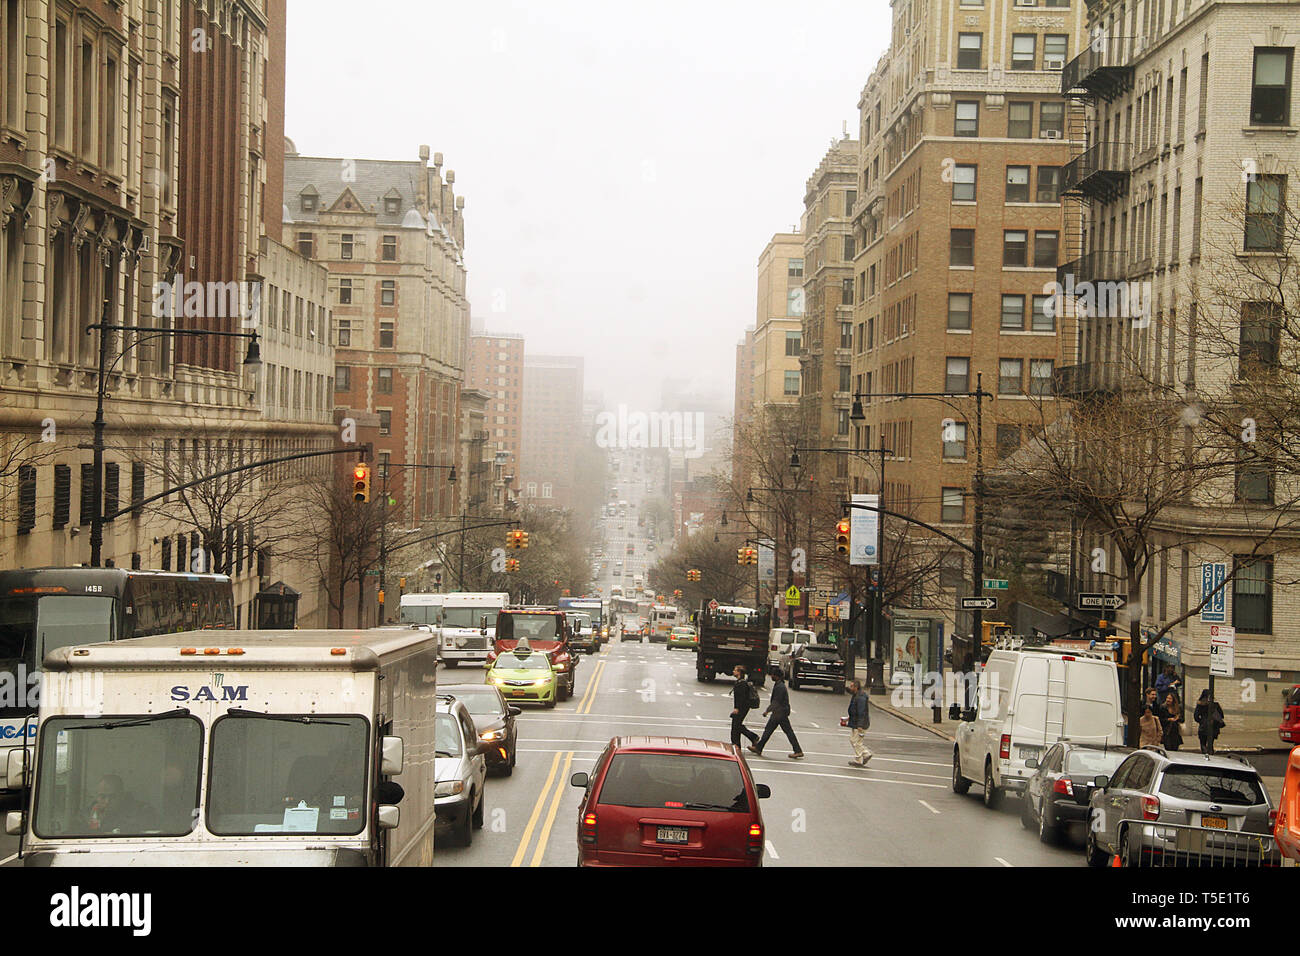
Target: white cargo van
1028	699
285	748
469	625
780	640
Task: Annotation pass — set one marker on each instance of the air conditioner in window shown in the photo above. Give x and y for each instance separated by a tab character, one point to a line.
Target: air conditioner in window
1026	3
1051	134
1053	62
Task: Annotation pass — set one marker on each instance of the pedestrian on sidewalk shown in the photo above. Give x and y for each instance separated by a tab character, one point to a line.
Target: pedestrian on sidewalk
744	698
1209	720
778	715
1172	731
859	721
1166	682
1152	733
1152	700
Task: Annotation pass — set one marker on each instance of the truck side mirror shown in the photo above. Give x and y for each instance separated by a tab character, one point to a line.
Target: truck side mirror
393	751
389	816
15	769
14	821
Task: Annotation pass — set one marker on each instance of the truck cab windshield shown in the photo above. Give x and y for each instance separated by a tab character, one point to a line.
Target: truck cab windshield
531	626
31	627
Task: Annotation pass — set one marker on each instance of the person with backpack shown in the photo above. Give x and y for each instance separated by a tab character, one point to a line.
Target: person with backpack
1209	720
859	721
744	698
779	710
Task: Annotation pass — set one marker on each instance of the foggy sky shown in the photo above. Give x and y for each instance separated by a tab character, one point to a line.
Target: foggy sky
623	165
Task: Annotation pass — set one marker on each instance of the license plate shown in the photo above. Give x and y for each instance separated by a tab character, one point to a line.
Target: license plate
515	693
1215	823
1026	752
672	835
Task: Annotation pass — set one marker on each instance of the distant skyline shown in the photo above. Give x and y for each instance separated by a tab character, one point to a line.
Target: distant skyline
622	167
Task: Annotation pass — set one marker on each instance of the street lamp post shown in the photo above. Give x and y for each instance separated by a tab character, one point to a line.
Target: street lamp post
252	362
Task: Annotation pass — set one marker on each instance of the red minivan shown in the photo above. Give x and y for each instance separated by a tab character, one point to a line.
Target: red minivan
670	801
1289	729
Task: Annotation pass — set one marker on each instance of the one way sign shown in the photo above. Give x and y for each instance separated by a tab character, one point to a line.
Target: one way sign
1094	601
979	603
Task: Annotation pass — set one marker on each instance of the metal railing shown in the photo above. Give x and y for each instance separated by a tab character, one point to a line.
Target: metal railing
1099	159
1089	70
1100	265
1179	845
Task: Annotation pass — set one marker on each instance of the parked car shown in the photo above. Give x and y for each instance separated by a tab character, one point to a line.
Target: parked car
494	719
814	664
1188	806
1029	699
1287	829
1057	794
460	771
666	801
1289	729
524	676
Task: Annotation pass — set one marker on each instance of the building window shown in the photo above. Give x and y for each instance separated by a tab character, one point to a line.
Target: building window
385	335
963	184
385	421
954	505
954	440
1252	595
961	248
794	302
388	292
1024	49
385	381
1049	184
1017	184
792	343
1008	440
137	487
87	494
345	292
1051	120
392	205
345	333
846	375
1270	94
26	498
794	268
62	495
1042	321
1254	479
966	118
959	306
842	422
1010	372
389	249
1265	202
970	51
345	246
1260	338
110	490
846	292
1046	244
1015	247
1055	49
342	378
1040	377
1020	120
167	553
791	383
849	249
1013	312
957	375
952	572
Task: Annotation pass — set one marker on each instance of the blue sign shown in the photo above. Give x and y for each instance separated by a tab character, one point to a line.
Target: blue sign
1213	576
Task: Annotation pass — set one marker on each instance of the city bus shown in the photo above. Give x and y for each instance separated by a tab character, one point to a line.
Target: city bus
46	608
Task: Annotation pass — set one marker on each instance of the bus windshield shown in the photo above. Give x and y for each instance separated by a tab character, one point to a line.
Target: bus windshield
31	627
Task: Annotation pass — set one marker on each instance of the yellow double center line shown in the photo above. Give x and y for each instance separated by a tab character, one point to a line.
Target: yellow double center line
589	695
544	834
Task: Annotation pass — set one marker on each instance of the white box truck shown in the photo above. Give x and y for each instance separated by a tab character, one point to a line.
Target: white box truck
1028	700
469	625
233	748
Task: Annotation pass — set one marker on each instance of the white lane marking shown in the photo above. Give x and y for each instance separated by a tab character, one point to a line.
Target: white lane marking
928	807
811	724
849	776
8	859
1002	861
771	851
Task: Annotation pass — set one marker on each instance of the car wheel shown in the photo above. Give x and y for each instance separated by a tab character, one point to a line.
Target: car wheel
1093	853
959	783
992	795
1047	829
465	832
1026	817
794	682
1127	856
550	703
478	814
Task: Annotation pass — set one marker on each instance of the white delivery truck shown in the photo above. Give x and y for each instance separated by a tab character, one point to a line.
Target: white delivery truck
422	609
469	625
1028	699
285	748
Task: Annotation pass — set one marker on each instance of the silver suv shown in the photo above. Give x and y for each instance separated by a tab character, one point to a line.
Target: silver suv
460	770
1163	808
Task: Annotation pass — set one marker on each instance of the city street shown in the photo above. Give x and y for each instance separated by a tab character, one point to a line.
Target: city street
899	811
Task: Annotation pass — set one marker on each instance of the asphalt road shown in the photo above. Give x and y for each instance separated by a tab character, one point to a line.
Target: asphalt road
899	811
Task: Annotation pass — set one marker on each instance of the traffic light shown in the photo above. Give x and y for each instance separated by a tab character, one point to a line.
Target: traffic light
514	539
361	482
842	536
740	556
512	566
753	556
523	539
694	575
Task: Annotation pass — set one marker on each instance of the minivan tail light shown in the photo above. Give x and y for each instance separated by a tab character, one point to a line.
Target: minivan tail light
1004	751
756	838
1272	819
1065	785
589	827
1150	808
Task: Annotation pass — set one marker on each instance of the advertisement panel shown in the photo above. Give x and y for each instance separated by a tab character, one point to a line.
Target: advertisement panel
766	560
864	532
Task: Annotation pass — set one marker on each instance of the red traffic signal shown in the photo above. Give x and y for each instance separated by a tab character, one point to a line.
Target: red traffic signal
361	482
